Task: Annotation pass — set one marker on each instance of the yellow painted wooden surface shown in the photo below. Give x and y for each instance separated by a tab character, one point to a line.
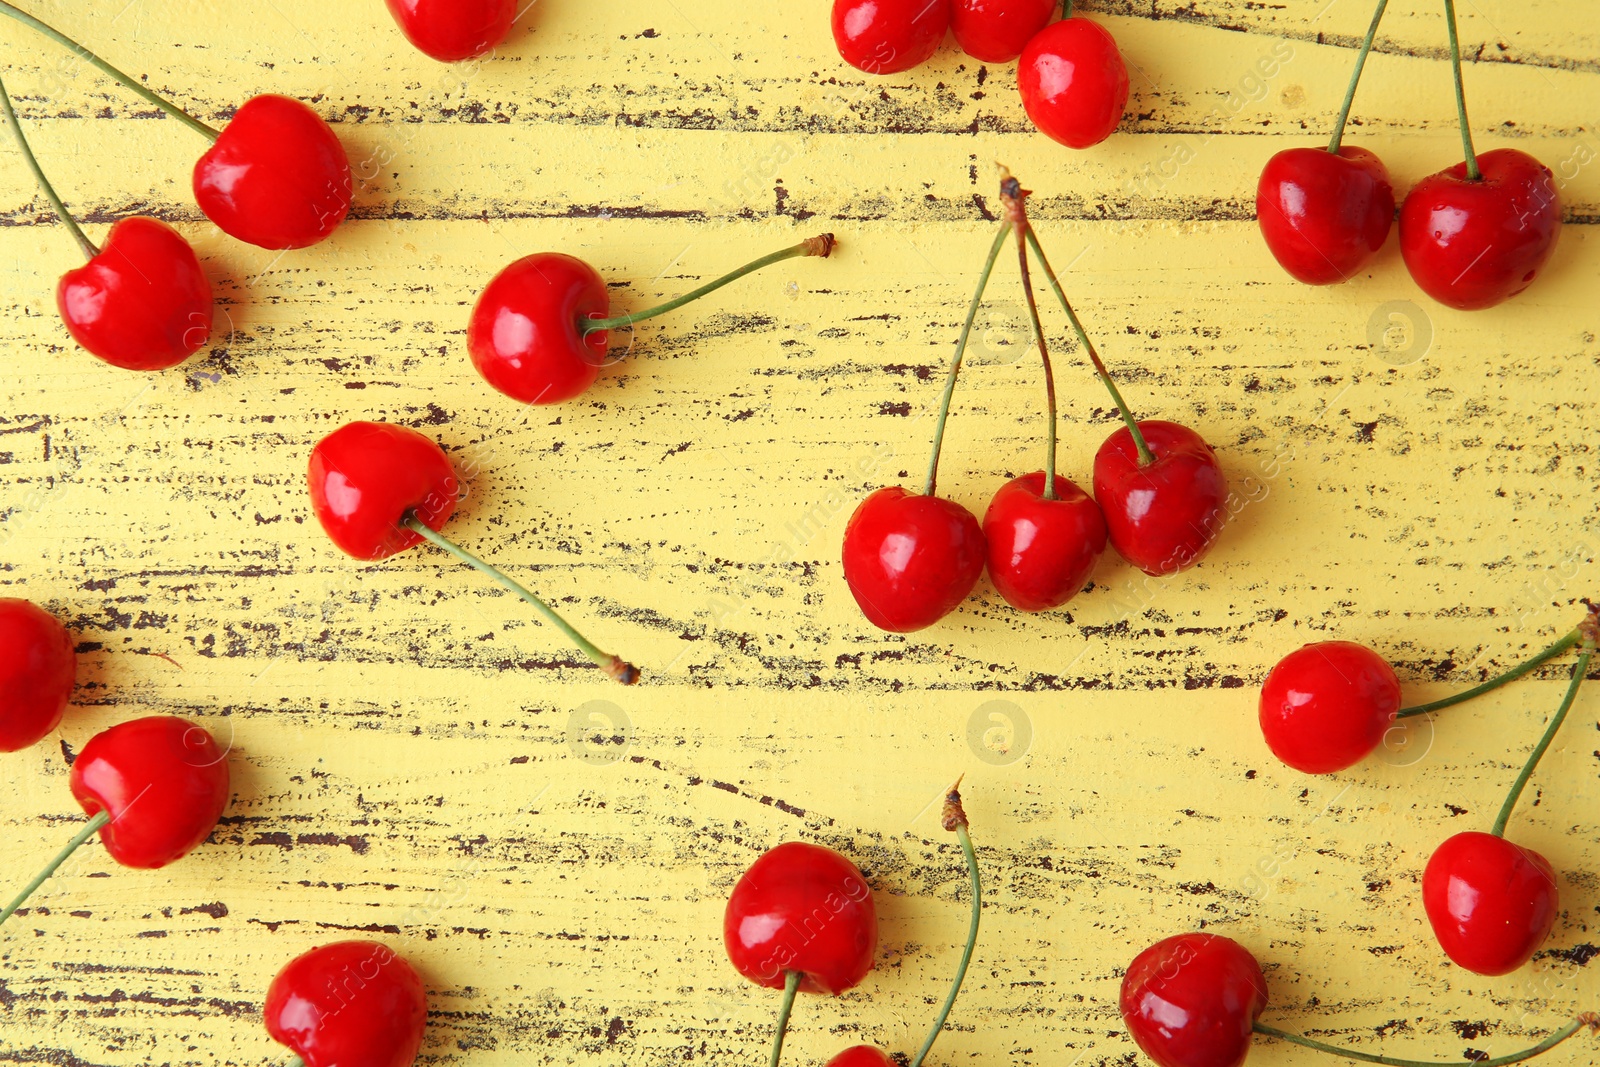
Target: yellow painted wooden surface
416	758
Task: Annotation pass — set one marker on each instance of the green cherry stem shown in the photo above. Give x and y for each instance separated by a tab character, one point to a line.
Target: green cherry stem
955	818
955	360
1588	1019
1525	667
617	668
1355	77
1146	457
295	1061
89	57
1591	631
791	986
820	246
1473	173
1015	197
89	250
89	829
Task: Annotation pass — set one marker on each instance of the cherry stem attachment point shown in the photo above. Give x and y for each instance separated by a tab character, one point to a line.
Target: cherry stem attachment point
1588	1019
89	250
1015	197
791	986
821	246
90	828
1591	633
955	360
955	818
1525	667
89	57
1146	457
617	668
1473	173
1355	77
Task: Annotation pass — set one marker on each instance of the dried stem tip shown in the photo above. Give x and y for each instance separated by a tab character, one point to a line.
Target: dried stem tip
1591	1019
820	245
1589	628
621	670
1013	197
954	814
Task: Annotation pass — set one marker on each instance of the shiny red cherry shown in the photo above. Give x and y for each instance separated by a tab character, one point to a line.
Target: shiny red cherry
276	177
164	782
1324	216
1160	517
889	36
1491	903
367	476
1473	244
996	31
910	559
1040	551
862	1056
1326	706
526	334
1191	1001
348	1004
38	669
451	30
1073	81
805	908
143	303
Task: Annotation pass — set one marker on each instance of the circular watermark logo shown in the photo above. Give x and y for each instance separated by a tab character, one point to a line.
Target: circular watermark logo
1407	741
1002	334
599	732
999	733
1400	333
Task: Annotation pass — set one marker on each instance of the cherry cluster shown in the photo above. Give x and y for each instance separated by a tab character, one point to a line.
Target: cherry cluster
1072	78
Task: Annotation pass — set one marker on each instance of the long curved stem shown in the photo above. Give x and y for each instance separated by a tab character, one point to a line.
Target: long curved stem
1146	457
1016	201
89	250
1355	77
791	986
1588	1019
617	668
955	818
1579	671
1473	173
89	829
89	57
1496	682
821	246
955	360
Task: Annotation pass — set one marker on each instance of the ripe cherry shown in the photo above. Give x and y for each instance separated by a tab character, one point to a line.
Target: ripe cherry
1165	504
538	333
1491	903
1324	215
910	559
37	672
1041	551
1472	243
348	1004
1074	83
1192	1001
452	30
862	1056
1326	706
378	489
889	36
996	31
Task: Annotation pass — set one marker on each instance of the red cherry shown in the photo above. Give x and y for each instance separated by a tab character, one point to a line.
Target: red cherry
862	1056
910	559
162	780
143	303
1491	903
1160	517
1041	551
1073	81
996	31
889	36
1326	706
37	672
1473	244
366	476
349	1004
1191	1000
451	30
805	908
276	177
1324	215
526	335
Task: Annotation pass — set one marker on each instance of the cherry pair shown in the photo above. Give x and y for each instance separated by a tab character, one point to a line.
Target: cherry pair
1072	78
1473	235
1195	1000
452	30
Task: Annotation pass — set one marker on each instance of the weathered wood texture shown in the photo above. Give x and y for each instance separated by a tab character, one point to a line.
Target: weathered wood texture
418	759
